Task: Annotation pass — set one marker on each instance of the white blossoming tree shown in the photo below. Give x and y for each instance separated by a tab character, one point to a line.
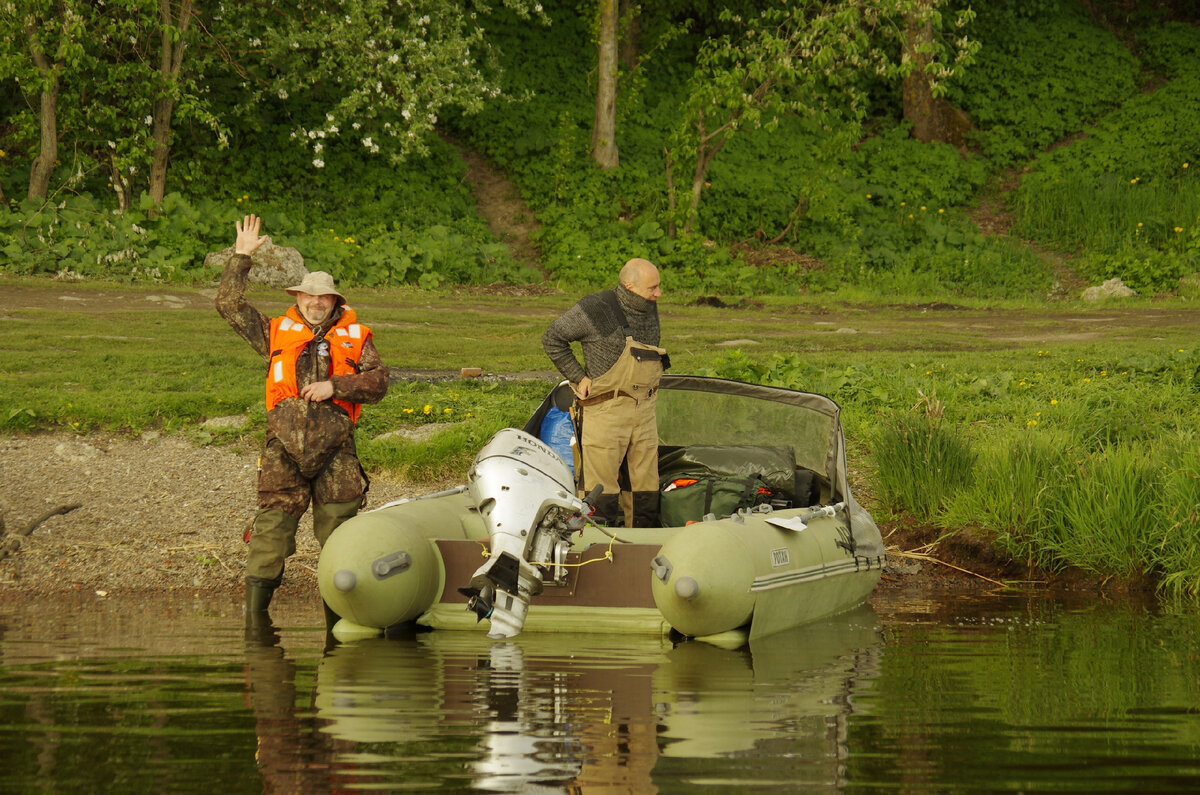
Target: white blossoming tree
382	70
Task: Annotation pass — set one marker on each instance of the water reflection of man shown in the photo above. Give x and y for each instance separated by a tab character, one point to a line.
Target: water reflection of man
293	754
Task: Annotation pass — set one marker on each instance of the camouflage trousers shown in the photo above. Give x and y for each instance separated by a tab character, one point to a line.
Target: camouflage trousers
336	493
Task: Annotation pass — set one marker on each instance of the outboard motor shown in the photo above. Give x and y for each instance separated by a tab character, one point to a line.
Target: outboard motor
526	495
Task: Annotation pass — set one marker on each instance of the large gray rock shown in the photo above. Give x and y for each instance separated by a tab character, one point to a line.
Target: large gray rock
274	266
1113	288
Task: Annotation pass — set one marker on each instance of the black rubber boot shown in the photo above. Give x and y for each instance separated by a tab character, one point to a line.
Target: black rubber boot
608	511
259	629
645	509
258	599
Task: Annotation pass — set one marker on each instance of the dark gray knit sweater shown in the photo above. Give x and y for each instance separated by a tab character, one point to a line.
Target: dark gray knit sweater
592	323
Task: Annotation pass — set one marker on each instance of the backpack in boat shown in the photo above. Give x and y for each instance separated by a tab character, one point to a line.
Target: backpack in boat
690	498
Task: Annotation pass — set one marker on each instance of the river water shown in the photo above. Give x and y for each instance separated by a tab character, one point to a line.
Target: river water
942	692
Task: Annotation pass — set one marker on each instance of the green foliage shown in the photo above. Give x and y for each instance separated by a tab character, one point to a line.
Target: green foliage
893	167
1127	193
1039	77
922	464
465	413
524	98
808	59
1170	48
77	238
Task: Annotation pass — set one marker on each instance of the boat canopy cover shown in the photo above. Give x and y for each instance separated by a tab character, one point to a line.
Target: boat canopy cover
697	410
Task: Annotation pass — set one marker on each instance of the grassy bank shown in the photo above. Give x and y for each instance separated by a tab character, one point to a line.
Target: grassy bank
1064	435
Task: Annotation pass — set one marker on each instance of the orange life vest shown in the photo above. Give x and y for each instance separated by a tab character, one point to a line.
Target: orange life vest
290	334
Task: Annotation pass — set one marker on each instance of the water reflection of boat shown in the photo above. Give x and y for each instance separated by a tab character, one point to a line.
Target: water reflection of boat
804	550
794	684
549	710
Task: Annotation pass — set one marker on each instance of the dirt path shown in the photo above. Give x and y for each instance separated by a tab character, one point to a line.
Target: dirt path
501	206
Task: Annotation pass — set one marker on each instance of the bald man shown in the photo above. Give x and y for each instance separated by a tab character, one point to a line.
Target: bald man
616	388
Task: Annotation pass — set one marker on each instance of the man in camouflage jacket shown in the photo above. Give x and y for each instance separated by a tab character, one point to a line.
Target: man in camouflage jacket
322	365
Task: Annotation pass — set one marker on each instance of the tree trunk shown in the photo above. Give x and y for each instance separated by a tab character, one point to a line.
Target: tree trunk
670	167
163	109
604	129
170	65
43	164
120	187
932	118
710	144
630	15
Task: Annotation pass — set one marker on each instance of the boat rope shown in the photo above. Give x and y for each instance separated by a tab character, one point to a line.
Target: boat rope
608	555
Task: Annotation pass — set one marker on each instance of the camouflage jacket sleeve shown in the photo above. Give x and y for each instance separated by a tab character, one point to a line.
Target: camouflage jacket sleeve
369	384
247	321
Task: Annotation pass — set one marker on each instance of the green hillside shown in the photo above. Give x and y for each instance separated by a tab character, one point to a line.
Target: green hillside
1077	166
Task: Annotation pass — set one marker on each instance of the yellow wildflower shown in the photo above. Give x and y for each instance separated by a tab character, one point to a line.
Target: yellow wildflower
1178	229
1053	402
428	409
446	410
1031	423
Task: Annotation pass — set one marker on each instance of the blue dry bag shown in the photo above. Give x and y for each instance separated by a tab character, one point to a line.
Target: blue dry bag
557	431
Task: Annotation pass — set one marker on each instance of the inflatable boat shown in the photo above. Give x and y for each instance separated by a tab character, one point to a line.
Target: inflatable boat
764	533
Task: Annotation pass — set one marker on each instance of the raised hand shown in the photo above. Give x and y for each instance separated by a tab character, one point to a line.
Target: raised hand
248	239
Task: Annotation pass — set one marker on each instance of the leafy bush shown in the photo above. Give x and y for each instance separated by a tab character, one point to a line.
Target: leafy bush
1127	193
922	464
1042	74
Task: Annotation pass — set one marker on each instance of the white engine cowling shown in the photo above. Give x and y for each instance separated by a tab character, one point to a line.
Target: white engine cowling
526	496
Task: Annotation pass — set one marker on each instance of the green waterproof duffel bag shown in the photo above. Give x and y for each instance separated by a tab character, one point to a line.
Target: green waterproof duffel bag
688	498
